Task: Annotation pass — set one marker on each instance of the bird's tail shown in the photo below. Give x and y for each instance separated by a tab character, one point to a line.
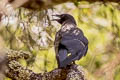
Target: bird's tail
74	57
70	59
61	57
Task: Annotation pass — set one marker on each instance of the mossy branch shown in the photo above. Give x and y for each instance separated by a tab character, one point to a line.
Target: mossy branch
17	72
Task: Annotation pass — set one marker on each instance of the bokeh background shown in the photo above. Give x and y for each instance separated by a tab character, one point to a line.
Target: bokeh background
34	31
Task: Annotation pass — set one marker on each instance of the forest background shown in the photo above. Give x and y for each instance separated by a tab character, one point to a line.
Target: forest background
32	30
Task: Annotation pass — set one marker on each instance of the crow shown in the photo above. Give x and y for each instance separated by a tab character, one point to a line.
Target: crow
70	43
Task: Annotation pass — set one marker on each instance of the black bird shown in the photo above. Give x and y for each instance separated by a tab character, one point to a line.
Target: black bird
70	42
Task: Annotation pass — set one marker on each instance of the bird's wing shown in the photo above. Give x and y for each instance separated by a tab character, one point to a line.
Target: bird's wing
84	40
75	41
80	35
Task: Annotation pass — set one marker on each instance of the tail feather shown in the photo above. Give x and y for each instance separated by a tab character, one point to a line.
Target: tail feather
61	57
74	57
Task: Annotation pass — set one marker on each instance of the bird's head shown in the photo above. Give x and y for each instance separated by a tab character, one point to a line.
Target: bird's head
64	18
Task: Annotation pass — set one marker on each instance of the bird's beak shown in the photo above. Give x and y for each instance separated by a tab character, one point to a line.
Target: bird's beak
57	17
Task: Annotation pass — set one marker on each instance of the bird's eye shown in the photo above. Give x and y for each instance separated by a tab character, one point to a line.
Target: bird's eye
62	16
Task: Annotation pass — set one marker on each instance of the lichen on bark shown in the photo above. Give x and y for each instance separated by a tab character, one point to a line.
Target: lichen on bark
18	72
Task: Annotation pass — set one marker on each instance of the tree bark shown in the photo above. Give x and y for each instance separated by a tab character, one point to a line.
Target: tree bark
42	4
8	6
17	72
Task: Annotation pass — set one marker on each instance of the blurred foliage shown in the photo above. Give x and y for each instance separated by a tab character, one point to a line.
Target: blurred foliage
34	31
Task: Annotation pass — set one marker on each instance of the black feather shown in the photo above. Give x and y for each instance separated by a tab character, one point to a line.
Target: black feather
69	40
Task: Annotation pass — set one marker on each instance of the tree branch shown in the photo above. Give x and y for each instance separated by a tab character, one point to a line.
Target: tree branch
17	72
43	4
7	6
